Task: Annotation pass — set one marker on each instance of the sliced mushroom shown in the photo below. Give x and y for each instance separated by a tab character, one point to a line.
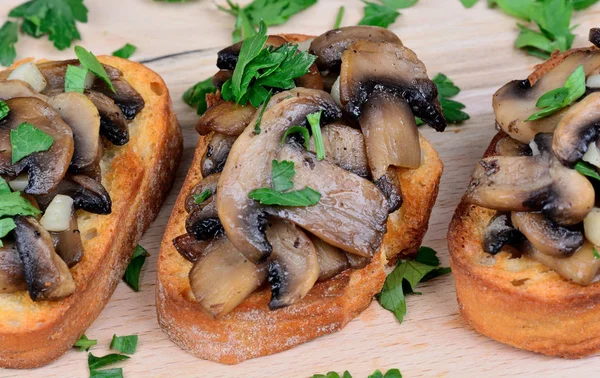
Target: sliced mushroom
228	57
47	275
545	235
88	194
216	154
582	267
389	184
207	183
12	275
226	117
499	232
331	260
329	47
54	72
223	278
369	67
190	248
83	117
356	261
507	146
68	243
345	147
294	266
595	36
203	222
515	102
351	213
113	125
46	169
312	80
221	77
536	183
248	166
17	88
577	129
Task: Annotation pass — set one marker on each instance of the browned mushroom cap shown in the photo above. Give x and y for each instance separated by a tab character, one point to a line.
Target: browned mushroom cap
223	278
88	194
17	88
515	102
46	169
190	248
203	222
499	232
216	154
207	183
351	213
294	266
248	166
547	236
226	117
83	118
312	79
12	275
329	47
113	125
582	267
47	275
221	77
332	260
369	67
538	183
577	129
228	57
595	36
68	243
345	147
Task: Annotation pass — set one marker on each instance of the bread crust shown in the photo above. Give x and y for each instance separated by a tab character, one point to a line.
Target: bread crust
138	177
519	301
252	330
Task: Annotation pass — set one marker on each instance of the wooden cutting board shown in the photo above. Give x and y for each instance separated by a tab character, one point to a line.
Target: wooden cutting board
473	47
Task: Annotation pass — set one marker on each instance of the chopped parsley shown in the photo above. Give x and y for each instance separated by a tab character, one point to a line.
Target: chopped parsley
9	35
124	344
96	363
453	110
392	373
262	113
196	95
75	79
339	17
596	254
132	273
314	120
199	198
125	52
92	64
6	226
559	98
587	169
405	277
4	110
84	344
26	140
383	13
297	130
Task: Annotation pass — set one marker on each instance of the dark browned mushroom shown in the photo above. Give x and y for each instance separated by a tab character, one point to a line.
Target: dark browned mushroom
595	36
207	183
203	222
221	77
547	236
226	118
499	232
88	194
190	248
113	125
216	154
12	275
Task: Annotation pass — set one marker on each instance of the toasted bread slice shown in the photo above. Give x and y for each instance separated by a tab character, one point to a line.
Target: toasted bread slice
138	177
519	301
252	329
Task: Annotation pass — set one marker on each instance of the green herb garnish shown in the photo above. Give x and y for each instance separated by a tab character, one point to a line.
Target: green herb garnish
587	169
385	13
282	174
132	273
199	198
9	35
84	344
262	113
125	52
297	129
4	110
405	277
95	363
314	121
453	110
26	140
559	98
392	373
124	344
596	254
196	95
6	226
92	64
4	187
75	79
339	17
13	204
107	373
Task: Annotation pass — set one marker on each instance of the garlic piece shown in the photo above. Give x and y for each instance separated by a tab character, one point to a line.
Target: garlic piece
20	183
335	91
30	74
593	81
592	155
57	217
591	226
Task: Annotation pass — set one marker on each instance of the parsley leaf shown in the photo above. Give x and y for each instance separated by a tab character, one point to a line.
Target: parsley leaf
392	373
124	344
282	174
378	15
107	373
12	204
75	79
314	120
468	3
90	62
587	169
6	226
596	254
199	198
297	129
339	17
556	99
9	34
196	95
95	363
262	113
132	273
26	140
333	374
125	52
583	4
4	109
405	277
453	110
4	187
84	344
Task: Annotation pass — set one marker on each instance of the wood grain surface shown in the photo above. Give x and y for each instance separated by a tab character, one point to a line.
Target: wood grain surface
473	47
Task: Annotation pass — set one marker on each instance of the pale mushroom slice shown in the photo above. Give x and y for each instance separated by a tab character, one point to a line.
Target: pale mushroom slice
88	194
222	278
547	236
17	88
80	113
582	267
226	117
47	168
351	213
68	244
216	154
248	166
332	260
515	102
577	129
369	67
345	147
293	266
113	125
329	47
12	274
46	274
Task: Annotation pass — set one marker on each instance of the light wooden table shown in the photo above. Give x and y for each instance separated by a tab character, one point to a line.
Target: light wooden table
473	47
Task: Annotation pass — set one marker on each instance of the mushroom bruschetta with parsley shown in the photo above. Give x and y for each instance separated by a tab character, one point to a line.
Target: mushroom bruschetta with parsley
308	177
88	151
524	241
